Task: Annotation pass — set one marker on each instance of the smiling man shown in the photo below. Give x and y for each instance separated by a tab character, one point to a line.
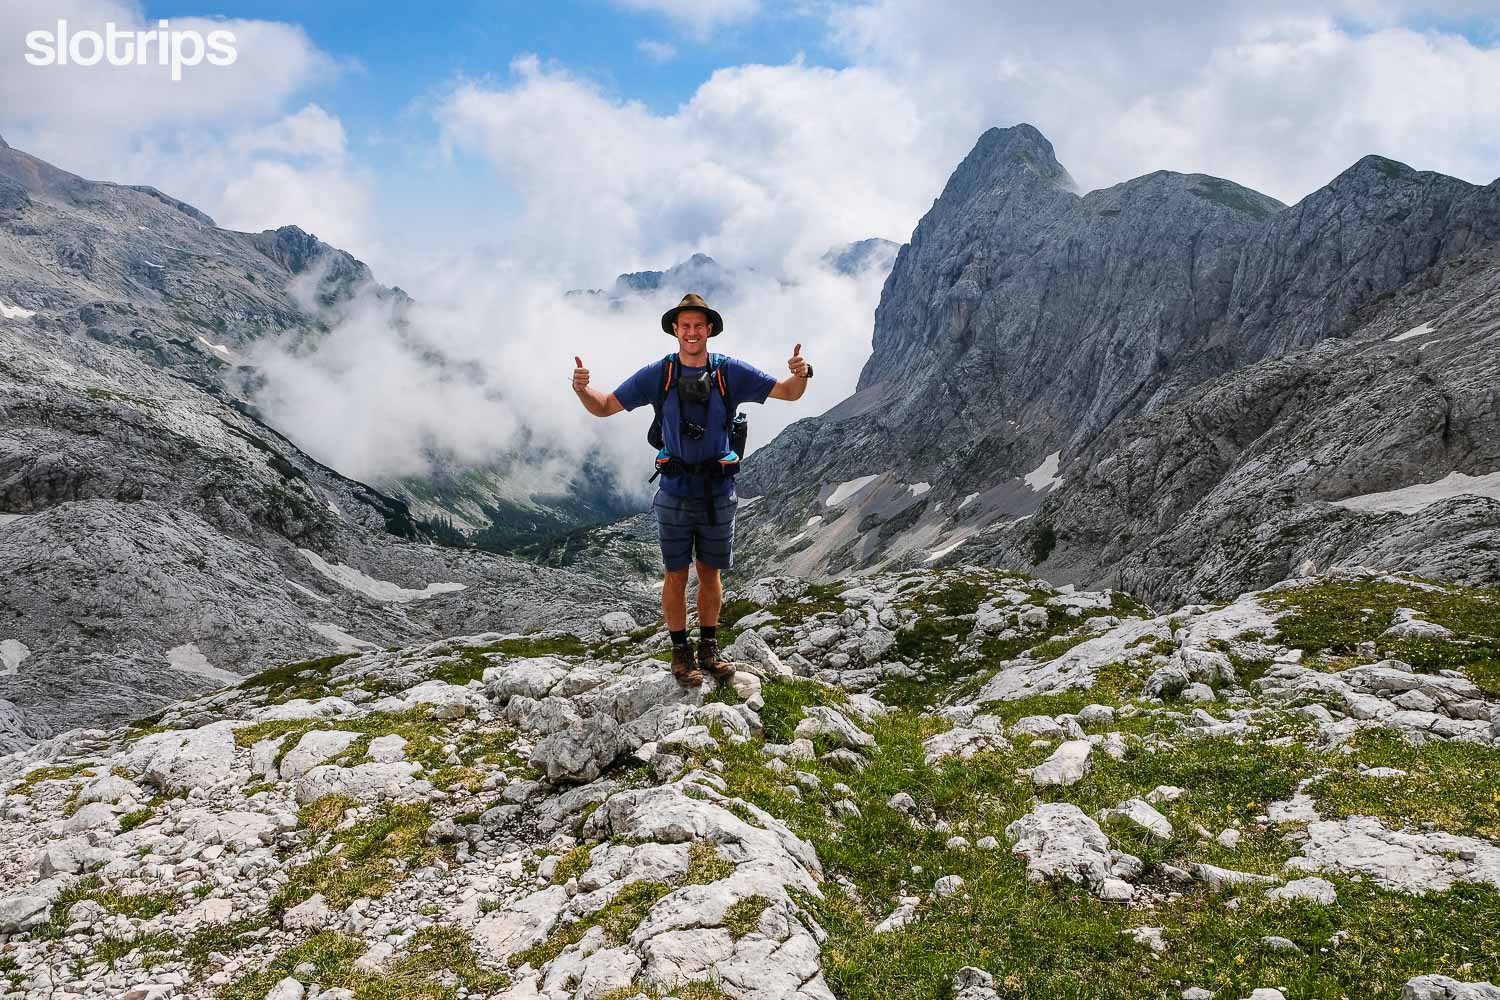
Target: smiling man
696	394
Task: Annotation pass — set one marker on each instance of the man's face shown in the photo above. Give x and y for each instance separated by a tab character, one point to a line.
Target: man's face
692	328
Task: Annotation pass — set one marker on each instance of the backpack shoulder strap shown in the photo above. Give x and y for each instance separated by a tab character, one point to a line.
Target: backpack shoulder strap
721	380
666	375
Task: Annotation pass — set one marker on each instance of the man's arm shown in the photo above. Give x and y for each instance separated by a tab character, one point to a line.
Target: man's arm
790	388
596	402
794	385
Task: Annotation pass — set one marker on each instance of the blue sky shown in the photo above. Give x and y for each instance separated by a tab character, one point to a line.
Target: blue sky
394	61
442	145
404	53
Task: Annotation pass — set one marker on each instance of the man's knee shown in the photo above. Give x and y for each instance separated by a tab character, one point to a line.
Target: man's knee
707	573
677	578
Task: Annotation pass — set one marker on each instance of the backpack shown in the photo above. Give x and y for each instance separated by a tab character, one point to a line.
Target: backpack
735	423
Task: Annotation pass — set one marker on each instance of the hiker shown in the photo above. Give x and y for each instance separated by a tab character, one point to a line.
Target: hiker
699	441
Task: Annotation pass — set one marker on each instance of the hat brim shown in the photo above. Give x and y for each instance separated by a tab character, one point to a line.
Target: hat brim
715	321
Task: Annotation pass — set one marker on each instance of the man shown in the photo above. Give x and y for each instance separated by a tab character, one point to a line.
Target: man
695	509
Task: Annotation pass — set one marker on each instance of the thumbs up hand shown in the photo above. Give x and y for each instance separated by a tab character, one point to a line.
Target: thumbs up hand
580	375
797	364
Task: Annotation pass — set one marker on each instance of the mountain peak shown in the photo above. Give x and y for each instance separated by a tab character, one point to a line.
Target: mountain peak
1022	144
1372	166
1003	157
3	143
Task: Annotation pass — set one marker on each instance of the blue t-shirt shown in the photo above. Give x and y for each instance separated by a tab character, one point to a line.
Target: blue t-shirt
746	384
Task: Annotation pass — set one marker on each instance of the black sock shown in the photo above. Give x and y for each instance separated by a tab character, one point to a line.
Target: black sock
708	631
679	637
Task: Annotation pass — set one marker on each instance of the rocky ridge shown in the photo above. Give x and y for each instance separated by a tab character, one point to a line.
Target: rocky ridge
918	782
159	541
1174	386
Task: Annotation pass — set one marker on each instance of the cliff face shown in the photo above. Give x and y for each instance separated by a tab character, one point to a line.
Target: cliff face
1380	450
1024	327
156	536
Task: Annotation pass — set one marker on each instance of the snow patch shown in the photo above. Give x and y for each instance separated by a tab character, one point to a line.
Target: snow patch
310	593
328	630
189	659
917	489
380	590
15	312
747	501
1411	499
1416	331
847	489
7	518
12	652
968	500
216	347
815	519
939	553
1044	476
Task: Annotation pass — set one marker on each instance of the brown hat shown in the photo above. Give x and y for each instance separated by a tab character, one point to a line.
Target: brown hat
693	301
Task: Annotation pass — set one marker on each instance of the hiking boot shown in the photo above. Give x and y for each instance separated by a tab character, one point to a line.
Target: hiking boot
708	660
683	668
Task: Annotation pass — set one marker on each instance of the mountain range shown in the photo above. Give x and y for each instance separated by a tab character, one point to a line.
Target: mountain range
1176	386
156	536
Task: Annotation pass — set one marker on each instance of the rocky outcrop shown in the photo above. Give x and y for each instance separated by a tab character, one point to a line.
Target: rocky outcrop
1174	386
575	825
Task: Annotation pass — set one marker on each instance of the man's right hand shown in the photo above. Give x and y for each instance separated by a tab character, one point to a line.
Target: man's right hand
580	375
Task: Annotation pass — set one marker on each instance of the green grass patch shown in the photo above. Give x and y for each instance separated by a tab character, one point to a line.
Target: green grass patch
411	976
786	698
1453	784
366	860
135	818
303	679
425	737
743	916
705	865
57	772
93	887
1335	616
323	814
572	864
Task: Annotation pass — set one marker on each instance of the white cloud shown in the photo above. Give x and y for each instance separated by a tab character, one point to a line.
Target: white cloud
369	400
220	138
311	132
697	18
82	116
763	164
656	51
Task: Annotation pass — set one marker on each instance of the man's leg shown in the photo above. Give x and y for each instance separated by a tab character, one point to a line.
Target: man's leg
715	548
675	531
710	594
674	599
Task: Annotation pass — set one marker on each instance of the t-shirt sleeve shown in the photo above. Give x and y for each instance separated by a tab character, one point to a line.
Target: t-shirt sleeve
748	383
639	389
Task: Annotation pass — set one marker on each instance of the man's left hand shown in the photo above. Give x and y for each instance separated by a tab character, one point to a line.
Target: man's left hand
797	364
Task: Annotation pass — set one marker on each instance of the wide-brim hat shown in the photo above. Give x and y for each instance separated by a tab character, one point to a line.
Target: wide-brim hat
693	301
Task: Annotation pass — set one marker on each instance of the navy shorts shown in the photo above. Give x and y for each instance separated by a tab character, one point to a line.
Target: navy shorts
683	528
